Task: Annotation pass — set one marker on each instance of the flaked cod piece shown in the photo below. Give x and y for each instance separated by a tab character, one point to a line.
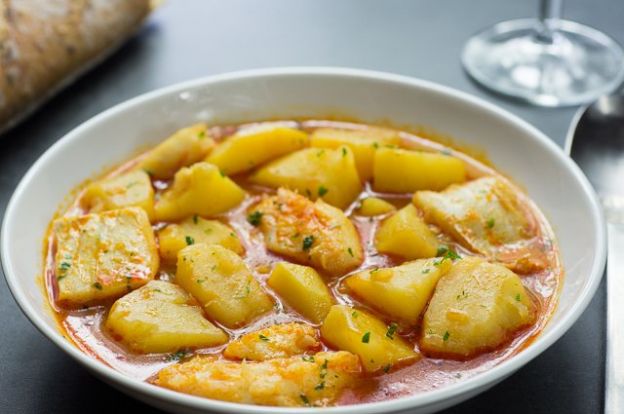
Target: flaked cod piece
276	341
486	216
289	382
312	233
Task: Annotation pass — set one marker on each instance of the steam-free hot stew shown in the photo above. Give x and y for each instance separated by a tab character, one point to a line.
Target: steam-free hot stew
301	263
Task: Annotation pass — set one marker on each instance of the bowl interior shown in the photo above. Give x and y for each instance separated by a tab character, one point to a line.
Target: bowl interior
551	179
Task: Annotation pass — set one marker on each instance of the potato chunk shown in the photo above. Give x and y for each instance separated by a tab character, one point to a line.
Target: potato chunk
251	147
363	334
404	171
362	142
405	234
221	282
159	317
103	255
185	147
311	233
401	292
133	189
303	289
287	382
175	237
485	216
476	307
315	172
200	189
373	206
276	341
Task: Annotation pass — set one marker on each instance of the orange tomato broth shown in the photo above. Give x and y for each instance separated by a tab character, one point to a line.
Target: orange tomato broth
84	327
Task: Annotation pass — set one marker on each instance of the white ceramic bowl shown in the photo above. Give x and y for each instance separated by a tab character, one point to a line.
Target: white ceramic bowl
551	178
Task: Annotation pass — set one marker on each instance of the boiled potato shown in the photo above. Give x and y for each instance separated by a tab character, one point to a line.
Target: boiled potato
185	147
251	147
276	341
159	317
485	216
221	282
311	233
405	234
476	307
303	289
373	206
362	142
403	171
200	189
401	292
357	331
287	382
175	237
316	172
133	189
103	255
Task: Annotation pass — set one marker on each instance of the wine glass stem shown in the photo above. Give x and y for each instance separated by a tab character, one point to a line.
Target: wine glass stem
549	11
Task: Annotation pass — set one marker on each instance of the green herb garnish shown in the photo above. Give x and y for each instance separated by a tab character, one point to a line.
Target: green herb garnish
490	223
97	285
446	336
391	330
189	240
322	190
307	242
254	218
308	358
366	338
263	338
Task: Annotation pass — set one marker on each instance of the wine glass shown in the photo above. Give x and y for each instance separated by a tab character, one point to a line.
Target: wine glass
546	61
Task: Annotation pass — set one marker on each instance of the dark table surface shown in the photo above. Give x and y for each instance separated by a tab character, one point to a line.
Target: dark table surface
186	39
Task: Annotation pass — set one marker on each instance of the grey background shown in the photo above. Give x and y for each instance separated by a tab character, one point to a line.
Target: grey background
186	39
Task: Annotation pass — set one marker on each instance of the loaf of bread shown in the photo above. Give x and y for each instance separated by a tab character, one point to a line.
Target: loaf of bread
45	44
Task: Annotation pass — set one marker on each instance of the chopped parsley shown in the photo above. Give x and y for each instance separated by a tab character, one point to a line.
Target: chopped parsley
320	386
201	134
446	253
195	219
65	265
263	338
322	190
344	152
350	251
490	223
176	356
375	145
97	285
354	314
446	336
254	218
391	330
308	241
366	338
427	270
304	399
518	297
189	240
387	368
308	358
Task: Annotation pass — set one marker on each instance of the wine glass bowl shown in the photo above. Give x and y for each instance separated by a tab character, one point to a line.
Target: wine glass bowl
547	62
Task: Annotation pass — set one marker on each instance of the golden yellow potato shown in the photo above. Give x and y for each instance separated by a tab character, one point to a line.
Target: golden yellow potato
403	171
252	147
221	282
285	382
401	292
373	206
159	317
485	216
316	233
175	237
103	255
315	172
276	341
200	189
376	343
476	307
133	189
363	143
303	289
405	234
185	147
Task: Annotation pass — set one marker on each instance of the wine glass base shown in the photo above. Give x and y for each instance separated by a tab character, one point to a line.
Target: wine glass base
577	65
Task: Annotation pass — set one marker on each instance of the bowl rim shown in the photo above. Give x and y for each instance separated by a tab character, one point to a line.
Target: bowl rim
470	386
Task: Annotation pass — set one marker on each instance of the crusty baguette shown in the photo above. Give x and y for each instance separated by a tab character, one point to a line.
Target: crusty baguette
45	44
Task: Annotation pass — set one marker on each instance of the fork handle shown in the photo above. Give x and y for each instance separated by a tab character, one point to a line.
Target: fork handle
614	370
